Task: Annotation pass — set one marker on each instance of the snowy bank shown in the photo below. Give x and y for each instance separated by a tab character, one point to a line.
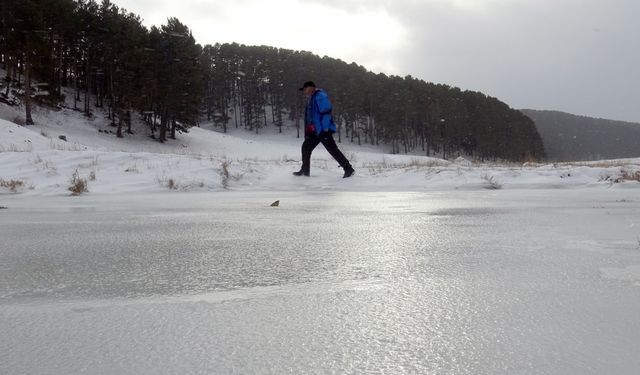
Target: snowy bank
34	160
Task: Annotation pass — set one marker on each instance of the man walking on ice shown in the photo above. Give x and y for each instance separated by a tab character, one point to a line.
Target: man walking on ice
319	128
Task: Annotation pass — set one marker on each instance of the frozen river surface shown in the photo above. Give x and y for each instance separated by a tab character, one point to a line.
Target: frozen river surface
477	282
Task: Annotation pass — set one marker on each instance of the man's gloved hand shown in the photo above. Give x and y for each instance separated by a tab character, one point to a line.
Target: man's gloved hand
325	135
309	128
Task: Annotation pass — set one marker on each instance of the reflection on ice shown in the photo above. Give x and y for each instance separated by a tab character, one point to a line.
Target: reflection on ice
458	282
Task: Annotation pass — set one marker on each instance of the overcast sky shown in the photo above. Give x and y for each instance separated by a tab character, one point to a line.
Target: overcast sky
577	56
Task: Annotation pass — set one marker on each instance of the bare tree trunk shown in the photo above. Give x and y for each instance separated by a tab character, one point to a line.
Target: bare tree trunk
87	91
273	111
112	114
153	122
76	96
119	130
27	88
235	112
264	113
9	67
163	128
128	119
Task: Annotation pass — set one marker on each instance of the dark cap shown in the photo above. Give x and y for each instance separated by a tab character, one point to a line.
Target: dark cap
307	84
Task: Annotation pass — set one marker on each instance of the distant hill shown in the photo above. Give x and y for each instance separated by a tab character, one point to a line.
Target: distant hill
568	137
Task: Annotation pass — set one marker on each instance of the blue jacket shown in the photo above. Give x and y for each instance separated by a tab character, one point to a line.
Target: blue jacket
318	112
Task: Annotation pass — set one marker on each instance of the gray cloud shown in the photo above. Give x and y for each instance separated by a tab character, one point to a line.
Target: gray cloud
576	56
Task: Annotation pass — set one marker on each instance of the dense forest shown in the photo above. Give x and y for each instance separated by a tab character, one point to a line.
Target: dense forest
569	137
106	57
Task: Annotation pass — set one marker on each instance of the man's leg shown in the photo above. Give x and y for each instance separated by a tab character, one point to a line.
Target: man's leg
308	145
330	144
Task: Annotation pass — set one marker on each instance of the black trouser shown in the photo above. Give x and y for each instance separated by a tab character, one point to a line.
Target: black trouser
326	138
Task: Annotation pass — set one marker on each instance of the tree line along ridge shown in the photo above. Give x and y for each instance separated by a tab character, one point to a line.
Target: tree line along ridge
104	54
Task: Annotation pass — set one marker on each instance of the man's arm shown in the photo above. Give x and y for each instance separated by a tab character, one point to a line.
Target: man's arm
324	107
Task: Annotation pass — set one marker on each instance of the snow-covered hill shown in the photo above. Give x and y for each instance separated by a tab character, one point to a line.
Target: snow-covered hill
34	160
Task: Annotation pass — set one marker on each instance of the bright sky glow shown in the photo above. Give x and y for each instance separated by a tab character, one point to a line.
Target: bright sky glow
370	37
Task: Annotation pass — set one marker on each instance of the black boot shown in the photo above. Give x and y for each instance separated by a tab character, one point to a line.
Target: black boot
348	172
301	173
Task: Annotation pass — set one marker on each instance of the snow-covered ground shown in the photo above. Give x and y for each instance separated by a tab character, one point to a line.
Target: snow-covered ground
174	262
207	160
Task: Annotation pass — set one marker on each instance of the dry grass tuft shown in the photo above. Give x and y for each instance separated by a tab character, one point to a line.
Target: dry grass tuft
171	184
78	185
627	175
12	185
224	174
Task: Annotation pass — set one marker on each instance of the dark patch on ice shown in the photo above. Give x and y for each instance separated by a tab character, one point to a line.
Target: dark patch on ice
467	211
82	309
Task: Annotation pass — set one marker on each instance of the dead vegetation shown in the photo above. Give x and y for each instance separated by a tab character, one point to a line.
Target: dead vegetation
12	185
625	175
78	184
